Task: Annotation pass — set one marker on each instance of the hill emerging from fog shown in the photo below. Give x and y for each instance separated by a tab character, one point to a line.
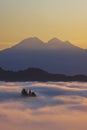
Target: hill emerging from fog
55	56
36	74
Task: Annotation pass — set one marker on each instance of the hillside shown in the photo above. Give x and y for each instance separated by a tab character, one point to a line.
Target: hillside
55	56
36	74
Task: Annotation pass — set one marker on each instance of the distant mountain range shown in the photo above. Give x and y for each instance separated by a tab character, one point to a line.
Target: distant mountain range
55	56
35	74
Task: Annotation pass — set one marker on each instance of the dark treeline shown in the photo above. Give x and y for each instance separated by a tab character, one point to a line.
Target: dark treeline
34	74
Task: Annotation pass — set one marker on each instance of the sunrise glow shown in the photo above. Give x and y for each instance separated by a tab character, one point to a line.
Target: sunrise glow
45	19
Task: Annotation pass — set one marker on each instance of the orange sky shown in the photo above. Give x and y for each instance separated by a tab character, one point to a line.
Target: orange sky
45	19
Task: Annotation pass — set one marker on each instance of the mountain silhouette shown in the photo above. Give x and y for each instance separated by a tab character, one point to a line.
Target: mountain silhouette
36	74
55	56
30	43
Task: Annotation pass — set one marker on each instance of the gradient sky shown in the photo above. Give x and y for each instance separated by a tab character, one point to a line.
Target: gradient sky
45	19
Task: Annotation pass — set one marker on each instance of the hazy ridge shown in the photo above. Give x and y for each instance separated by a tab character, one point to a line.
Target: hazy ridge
55	56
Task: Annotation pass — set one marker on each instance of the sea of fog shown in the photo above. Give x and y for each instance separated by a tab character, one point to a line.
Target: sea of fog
58	106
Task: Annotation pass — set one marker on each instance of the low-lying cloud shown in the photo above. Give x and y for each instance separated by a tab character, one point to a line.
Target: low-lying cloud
56	103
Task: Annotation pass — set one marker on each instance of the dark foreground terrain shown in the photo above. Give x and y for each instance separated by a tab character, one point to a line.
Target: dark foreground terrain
35	74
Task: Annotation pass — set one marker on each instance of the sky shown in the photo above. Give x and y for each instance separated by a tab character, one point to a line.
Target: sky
45	19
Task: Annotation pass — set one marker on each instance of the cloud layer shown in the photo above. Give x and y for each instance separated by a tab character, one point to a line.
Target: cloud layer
62	105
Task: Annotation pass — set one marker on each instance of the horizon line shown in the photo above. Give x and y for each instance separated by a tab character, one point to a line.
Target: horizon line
45	42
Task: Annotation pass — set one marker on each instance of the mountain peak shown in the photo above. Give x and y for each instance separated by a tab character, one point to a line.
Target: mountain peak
57	44
55	40
32	42
34	39
55	56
